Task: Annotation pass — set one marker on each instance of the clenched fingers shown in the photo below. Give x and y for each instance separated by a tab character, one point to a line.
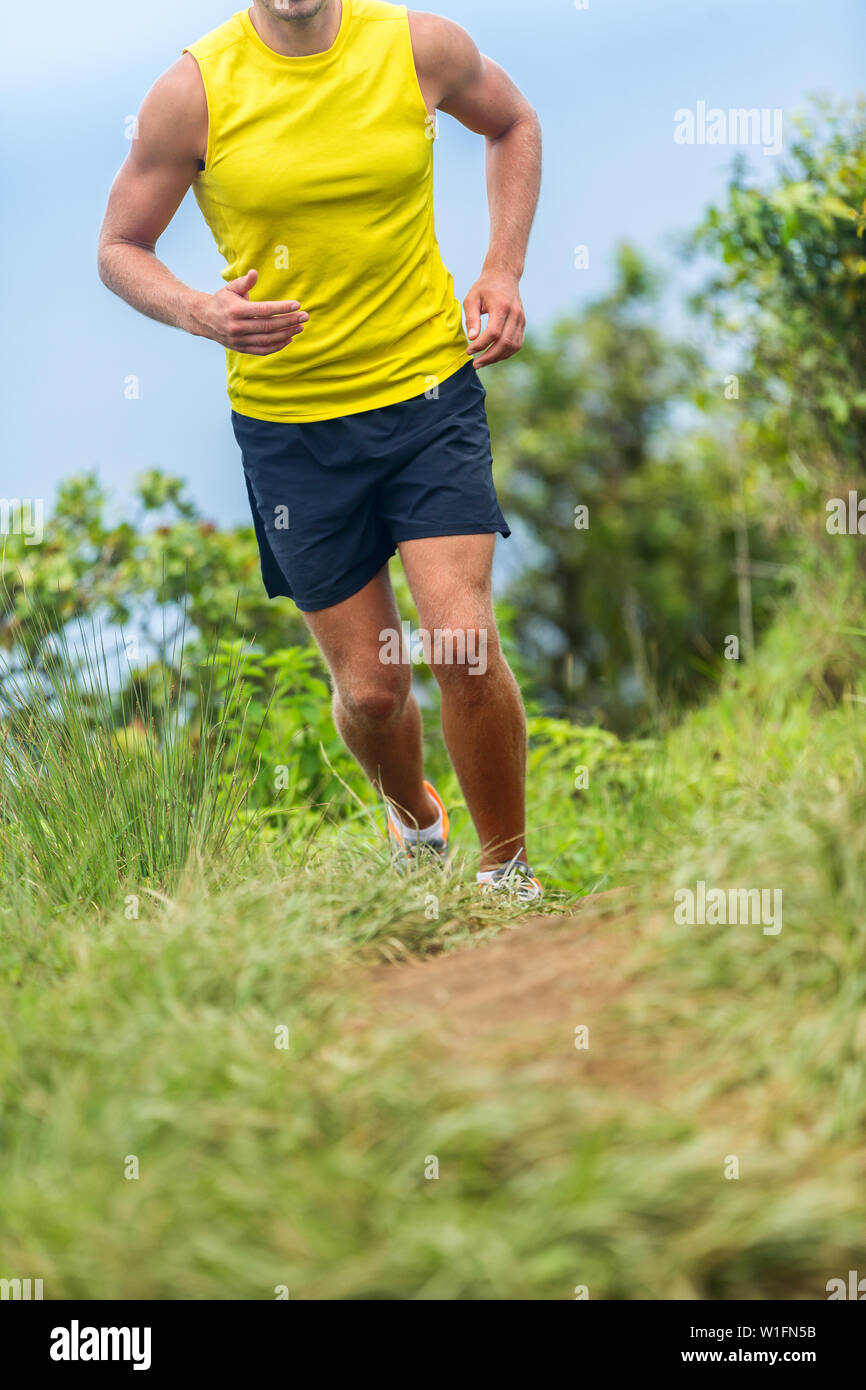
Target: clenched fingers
495	324
504	343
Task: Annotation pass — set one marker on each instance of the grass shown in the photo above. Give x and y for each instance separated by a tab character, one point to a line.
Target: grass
101	787
153	1036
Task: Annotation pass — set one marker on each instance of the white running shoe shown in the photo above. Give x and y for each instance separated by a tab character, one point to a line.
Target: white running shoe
407	844
516	880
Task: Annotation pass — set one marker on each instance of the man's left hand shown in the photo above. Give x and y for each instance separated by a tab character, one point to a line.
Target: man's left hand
497	295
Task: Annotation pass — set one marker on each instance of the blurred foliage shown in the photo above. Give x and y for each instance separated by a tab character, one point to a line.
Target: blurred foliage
698	465
622	609
791	288
163	557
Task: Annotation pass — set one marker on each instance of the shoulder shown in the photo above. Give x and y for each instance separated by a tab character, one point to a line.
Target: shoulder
179	93
441	46
173	117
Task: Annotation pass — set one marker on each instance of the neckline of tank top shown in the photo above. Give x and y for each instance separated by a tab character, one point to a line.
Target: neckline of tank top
304	60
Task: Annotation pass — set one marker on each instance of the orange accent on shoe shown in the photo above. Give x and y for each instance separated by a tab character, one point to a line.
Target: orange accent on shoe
394	824
446	824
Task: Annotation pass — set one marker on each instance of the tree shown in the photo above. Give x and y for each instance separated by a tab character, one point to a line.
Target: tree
624	518
790	290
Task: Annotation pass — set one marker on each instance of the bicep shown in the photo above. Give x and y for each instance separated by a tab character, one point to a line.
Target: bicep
460	80
163	160
489	104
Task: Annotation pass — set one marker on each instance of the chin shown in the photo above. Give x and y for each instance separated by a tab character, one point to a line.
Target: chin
295	9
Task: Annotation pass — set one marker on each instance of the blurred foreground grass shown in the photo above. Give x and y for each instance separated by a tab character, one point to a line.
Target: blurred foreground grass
153	1037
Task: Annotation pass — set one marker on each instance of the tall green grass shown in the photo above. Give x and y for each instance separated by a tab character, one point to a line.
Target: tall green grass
153	1038
106	782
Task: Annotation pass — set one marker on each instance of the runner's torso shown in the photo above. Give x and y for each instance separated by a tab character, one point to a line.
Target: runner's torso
319	173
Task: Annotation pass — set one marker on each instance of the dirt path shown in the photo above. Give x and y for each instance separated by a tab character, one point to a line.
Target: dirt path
516	1001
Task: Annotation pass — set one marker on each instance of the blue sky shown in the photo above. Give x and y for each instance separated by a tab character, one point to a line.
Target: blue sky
605	80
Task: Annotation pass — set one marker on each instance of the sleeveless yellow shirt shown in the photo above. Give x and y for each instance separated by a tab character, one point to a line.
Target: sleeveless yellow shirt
319	173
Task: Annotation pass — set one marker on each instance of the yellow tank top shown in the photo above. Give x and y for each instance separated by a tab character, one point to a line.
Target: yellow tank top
319	173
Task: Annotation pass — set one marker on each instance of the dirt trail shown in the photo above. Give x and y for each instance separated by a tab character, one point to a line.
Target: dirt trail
516	1000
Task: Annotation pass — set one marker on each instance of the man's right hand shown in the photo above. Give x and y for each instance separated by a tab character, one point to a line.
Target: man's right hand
258	327
161	166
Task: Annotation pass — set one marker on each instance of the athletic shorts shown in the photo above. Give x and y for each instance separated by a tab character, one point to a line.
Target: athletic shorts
331	499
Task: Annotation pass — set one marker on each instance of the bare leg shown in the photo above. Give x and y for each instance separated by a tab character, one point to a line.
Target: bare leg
374	709
482	714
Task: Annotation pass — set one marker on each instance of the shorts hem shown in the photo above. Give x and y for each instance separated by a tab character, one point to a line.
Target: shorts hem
339	595
430	532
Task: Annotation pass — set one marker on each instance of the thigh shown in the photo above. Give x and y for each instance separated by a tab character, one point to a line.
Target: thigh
349	634
451	579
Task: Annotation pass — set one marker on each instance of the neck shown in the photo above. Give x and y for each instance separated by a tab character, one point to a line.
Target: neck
297	36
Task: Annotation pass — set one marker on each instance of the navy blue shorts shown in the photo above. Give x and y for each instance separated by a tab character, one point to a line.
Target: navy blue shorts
331	499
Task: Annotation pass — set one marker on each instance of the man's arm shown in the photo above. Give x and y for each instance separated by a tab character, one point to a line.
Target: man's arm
162	163
456	78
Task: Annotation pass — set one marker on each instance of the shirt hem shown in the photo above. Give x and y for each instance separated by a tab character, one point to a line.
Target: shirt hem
394	397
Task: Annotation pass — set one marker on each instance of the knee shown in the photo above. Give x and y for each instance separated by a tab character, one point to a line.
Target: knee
377	697
465	657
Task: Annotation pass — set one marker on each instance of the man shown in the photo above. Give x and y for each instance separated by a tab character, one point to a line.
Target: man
305	129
